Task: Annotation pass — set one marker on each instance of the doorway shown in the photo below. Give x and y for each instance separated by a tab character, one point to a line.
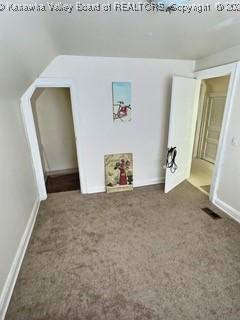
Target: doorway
182	133
211	107
53	119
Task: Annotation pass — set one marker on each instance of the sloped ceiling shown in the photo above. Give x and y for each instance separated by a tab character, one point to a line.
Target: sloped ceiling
29	41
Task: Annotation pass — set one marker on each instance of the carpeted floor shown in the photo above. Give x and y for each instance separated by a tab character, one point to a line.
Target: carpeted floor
136	255
206	188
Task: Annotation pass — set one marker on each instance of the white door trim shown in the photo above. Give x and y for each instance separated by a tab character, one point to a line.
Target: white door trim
232	70
31	134
205	138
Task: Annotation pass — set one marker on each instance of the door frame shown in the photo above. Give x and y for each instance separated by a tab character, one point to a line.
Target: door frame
231	70
31	134
206	115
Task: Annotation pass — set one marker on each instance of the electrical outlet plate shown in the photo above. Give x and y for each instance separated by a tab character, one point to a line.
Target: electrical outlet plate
235	142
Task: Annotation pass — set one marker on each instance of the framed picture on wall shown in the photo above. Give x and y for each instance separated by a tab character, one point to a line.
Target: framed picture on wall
119	172
121	96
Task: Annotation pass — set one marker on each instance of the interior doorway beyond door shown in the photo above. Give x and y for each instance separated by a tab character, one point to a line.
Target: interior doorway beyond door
211	108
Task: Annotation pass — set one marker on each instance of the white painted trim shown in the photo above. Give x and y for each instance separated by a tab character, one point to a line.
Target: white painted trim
229	69
232	212
31	136
194	124
17	262
215	71
61	172
200	109
148	182
96	189
136	183
30	129
206	124
217	94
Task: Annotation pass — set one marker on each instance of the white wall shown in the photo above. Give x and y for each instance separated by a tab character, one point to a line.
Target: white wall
146	135
18	190
219	58
20	64
53	115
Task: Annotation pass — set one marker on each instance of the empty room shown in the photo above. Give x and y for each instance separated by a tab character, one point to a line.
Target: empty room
120	148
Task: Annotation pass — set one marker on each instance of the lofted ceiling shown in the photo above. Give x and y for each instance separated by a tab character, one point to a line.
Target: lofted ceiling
29	41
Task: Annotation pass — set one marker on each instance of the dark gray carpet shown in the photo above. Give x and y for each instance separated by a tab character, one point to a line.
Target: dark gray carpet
137	255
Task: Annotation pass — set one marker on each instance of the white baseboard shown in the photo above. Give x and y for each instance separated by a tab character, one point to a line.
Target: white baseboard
96	189
61	172
148	182
233	213
18	259
136	183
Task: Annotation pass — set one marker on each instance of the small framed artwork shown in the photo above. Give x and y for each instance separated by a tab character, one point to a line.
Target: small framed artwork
119	172
121	95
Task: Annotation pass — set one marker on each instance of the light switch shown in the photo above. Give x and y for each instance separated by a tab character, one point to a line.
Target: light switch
235	142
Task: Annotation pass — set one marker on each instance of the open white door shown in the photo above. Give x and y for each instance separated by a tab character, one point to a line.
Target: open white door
183	116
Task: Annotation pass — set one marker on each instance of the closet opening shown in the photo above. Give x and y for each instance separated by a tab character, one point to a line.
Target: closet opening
53	119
